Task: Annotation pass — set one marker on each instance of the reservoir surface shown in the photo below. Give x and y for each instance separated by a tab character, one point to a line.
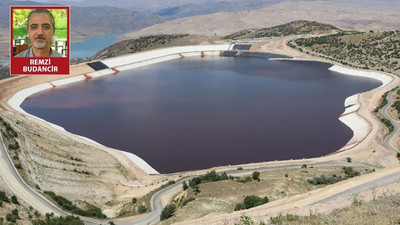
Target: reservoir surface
196	113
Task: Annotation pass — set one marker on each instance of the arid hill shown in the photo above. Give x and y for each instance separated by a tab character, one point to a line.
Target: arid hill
147	43
367	50
136	45
293	28
360	16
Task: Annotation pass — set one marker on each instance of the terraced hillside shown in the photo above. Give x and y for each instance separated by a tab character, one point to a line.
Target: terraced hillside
293	28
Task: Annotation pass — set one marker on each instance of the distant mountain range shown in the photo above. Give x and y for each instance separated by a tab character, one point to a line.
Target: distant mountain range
193	9
104	20
183	6
348	15
186	8
92	21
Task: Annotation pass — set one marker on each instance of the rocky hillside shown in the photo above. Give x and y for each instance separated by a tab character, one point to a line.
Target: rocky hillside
93	21
59	164
293	28
136	45
367	50
4	72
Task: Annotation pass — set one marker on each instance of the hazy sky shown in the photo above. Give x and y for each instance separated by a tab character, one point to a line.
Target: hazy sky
159	4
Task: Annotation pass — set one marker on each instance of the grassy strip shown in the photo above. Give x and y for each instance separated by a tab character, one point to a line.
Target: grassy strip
383	103
67	205
388	124
348	171
396	105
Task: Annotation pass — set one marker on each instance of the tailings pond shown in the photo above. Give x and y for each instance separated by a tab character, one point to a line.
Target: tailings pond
196	113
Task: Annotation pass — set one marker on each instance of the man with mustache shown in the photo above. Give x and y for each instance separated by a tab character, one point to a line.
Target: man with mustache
41	29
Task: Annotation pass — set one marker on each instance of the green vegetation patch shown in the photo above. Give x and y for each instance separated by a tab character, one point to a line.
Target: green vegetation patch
283	219
348	171
373	50
91	211
168	212
388	124
383	103
51	220
396	105
251	201
3	197
211	176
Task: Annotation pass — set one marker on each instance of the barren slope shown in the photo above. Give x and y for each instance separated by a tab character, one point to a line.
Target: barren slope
358	16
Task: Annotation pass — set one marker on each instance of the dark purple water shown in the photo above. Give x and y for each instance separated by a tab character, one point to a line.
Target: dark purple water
198	113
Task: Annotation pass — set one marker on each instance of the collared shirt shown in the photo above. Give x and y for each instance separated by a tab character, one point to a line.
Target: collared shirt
29	53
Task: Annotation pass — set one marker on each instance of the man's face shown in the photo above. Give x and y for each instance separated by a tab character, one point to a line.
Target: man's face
40	30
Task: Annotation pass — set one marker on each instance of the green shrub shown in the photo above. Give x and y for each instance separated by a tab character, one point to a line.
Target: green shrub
350	172
324	180
18	165
10	218
14	200
245	220
185	186
283	219
142	209
256	176
91	211
194	182
251	201
50	219
168	212
186	201
245	180
398	220
3	197
238	206
14	146
210	176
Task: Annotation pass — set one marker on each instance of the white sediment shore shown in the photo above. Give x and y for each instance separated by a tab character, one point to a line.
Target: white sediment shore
360	126
119	64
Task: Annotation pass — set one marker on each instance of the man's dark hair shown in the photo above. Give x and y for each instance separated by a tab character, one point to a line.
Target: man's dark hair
43	11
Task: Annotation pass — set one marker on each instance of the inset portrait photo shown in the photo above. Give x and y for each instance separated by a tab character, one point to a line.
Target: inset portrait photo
39	40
